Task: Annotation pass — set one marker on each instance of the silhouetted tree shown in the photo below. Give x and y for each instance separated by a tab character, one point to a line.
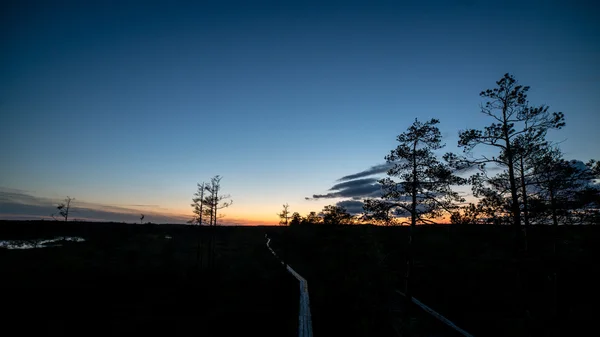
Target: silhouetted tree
469	214
141	218
527	146
559	185
64	208
199	218
197	204
296	219
512	117
214	202
284	215
379	215
515	130
335	215
423	191
588	202
311	218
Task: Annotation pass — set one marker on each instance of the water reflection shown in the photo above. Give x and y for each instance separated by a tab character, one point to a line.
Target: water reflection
38	243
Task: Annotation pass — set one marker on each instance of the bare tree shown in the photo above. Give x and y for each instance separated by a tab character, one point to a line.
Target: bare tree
141	218
64	209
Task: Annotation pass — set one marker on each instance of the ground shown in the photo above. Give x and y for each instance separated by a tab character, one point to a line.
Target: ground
131	279
466	273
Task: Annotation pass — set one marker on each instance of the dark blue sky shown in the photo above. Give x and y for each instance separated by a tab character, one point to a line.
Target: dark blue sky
129	103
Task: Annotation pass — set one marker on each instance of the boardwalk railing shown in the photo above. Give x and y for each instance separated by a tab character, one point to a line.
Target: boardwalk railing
304	318
437	315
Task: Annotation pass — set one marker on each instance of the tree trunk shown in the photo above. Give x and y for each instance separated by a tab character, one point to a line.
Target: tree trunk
525	208
515	210
67	212
199	238
213	238
555	252
210	225
554	216
516	213
413	224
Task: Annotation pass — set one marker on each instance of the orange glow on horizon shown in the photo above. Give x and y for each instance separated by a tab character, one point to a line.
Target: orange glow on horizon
257	216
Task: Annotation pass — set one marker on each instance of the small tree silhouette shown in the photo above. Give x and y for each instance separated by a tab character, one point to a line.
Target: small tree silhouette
284	215
213	202
63	209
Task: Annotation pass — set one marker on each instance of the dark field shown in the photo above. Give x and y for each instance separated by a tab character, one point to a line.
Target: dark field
465	273
129	279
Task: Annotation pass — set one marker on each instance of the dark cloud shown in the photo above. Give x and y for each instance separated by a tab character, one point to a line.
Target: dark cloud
381	168
15	204
19	196
352	206
353	184
356	192
356	186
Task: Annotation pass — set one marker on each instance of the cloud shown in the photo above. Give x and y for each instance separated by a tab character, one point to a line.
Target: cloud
17	204
20	196
22	205
381	168
355	191
356	186
352	206
353	184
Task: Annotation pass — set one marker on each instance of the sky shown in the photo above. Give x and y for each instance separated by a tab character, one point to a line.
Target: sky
126	105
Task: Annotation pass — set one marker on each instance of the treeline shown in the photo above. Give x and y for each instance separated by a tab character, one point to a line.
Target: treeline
330	215
517	176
